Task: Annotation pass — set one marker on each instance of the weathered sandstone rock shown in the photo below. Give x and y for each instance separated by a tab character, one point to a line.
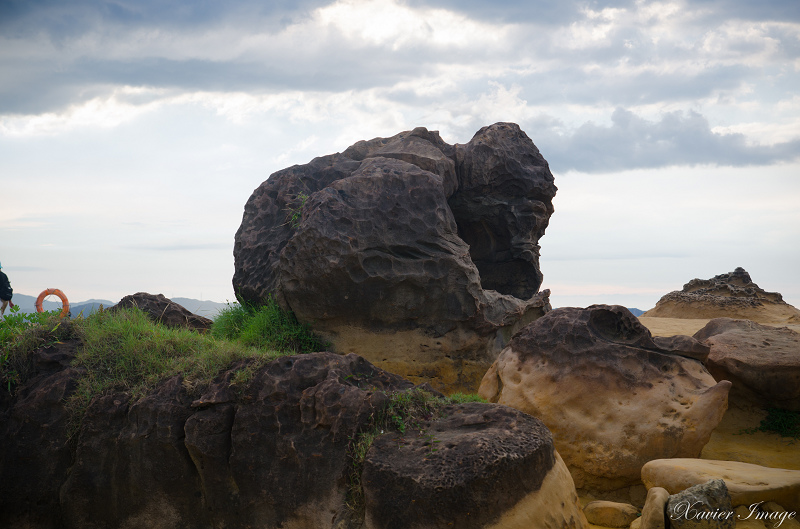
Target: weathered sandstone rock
763	362
747	483
437	477
164	311
778	516
610	513
274	451
746	520
731	295
654	512
703	506
612	398
420	255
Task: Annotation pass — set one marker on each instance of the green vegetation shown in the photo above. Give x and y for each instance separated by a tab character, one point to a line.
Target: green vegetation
265	327
785	423
404	411
123	350
20	334
295	213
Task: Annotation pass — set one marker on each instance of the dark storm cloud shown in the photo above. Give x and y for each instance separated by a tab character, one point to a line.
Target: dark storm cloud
679	138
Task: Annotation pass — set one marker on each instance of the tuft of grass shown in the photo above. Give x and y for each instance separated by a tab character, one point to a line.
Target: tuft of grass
404	411
295	212
124	350
20	335
460	398
785	423
267	327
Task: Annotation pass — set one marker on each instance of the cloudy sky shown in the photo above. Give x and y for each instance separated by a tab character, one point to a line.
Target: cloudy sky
132	132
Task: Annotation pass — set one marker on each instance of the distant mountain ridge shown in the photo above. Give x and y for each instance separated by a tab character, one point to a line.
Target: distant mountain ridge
27	304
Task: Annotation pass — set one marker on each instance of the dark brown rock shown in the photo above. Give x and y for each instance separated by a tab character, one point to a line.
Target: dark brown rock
613	397
34	445
731	295
270	452
503	206
164	311
438	474
406	247
761	361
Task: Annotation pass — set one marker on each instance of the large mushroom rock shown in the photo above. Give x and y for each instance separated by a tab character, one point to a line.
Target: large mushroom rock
612	397
731	295
762	362
162	310
419	255
274	450
493	456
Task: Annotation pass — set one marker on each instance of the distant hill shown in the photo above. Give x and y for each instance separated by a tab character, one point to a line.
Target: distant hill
636	312
27	304
208	309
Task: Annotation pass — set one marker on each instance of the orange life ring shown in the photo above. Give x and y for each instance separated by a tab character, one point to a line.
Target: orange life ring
57	292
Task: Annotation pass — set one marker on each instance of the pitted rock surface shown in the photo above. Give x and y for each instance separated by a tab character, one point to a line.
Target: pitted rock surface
612	396
406	235
162	310
732	295
435	475
761	361
274	451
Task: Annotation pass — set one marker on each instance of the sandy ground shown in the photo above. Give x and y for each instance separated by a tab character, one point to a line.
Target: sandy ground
673	326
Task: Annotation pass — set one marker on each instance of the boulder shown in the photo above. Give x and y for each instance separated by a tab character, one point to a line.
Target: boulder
654	512
419	255
612	398
746	483
610	513
164	311
732	295
274	450
494	457
778	516
762	362
703	506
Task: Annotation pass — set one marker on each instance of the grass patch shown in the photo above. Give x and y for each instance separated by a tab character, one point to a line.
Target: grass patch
123	350
266	327
20	335
785	423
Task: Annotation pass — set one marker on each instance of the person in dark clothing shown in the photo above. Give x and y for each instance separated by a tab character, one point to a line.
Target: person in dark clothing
6	292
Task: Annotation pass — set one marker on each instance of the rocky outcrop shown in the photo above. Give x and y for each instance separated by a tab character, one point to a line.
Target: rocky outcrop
747	483
420	255
164	311
439	477
762	362
731	295
271	451
612	397
702	506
